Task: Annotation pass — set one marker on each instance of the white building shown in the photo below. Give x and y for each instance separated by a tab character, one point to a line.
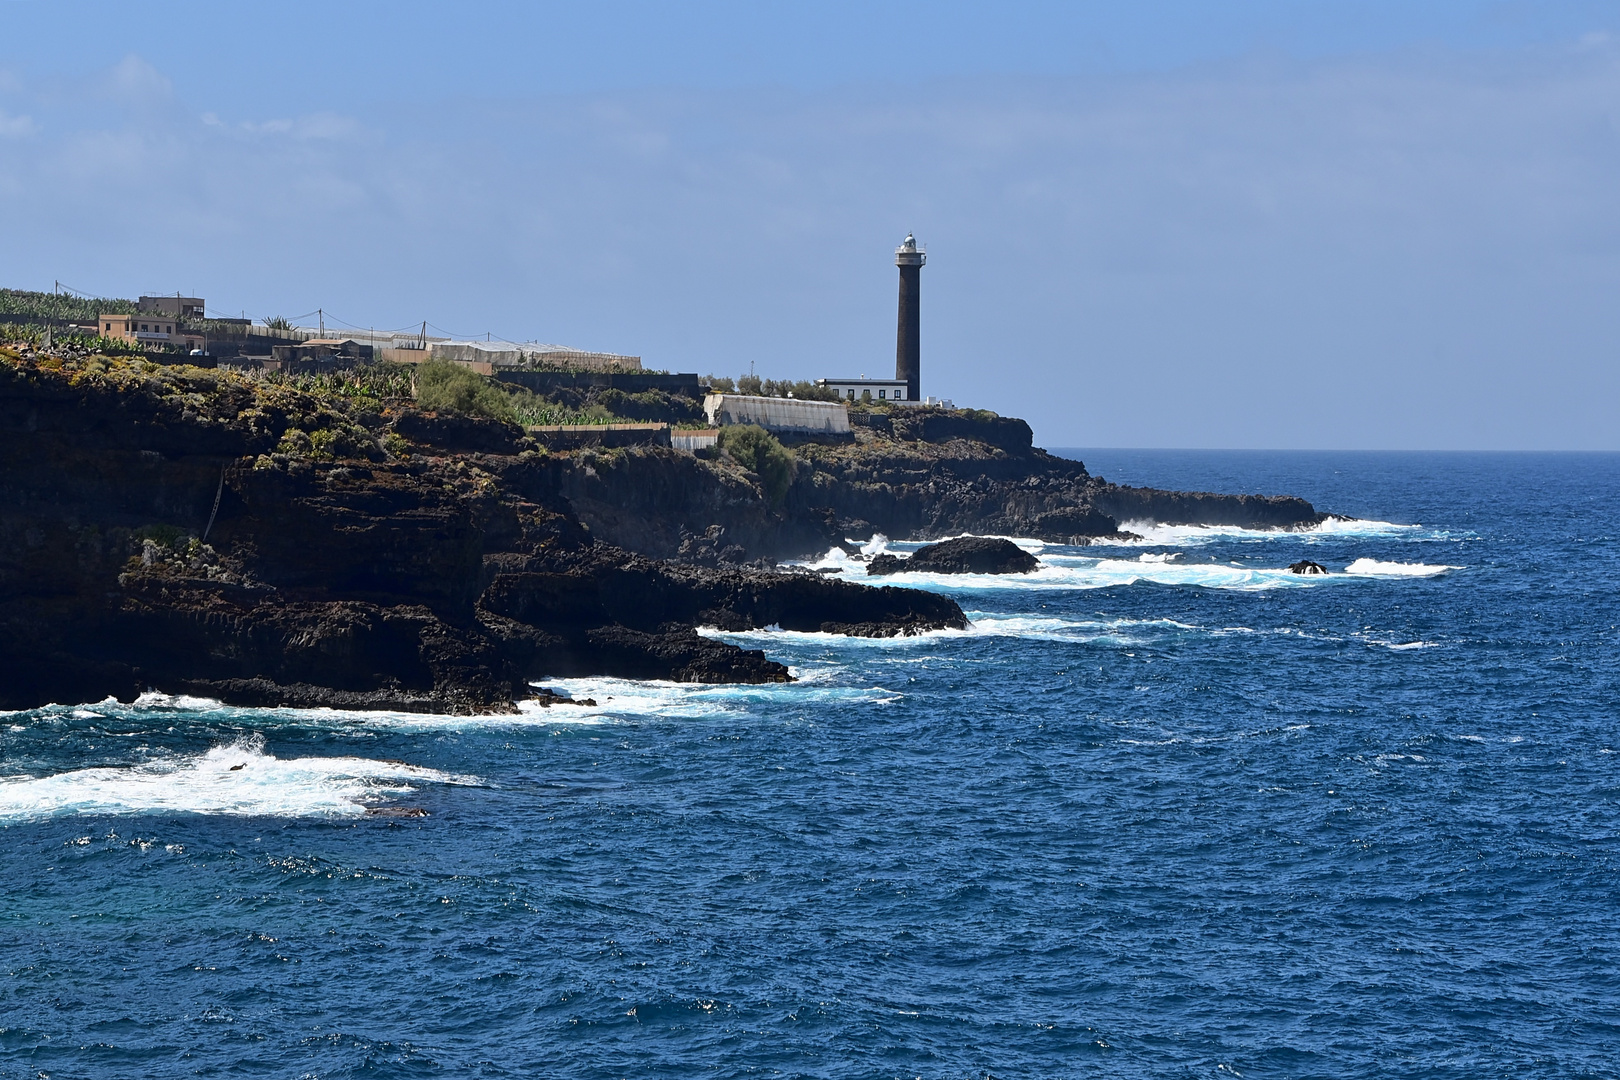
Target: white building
864	389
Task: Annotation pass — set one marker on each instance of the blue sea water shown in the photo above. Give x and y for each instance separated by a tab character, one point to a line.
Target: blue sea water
1167	810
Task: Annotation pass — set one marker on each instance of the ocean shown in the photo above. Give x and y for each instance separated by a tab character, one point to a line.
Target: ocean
1165	810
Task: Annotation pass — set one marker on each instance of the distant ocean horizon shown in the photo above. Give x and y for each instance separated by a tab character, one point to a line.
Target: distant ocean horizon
1165	809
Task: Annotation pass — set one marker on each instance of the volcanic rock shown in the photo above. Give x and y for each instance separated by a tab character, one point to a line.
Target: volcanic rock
247	540
1305	566
964	555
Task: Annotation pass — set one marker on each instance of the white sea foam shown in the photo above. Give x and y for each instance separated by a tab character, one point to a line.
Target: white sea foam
656	699
1193	535
1375	568
153	699
1078	568
981	625
239	779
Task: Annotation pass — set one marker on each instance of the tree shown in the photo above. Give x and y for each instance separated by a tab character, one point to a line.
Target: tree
758	451
445	387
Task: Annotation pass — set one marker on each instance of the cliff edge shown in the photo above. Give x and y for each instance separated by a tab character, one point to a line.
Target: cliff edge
269	543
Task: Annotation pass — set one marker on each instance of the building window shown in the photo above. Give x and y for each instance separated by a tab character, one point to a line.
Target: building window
883	393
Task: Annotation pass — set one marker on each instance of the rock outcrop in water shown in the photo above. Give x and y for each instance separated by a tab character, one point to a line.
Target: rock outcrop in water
964	555
202	532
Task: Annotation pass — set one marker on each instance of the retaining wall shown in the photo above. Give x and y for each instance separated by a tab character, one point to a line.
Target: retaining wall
689	439
578	436
789	415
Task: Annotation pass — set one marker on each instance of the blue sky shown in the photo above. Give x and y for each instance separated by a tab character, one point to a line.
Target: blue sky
1373	225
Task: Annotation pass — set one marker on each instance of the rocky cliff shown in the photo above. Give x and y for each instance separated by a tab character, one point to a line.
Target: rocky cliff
321	541
205	532
908	473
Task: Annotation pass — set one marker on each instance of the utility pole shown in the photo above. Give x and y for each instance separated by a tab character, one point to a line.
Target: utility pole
322	313
50	320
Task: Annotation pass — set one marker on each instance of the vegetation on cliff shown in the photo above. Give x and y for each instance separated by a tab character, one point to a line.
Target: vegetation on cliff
782	388
441	385
758	451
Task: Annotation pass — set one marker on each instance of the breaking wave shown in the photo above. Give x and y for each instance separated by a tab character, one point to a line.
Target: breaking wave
1336	528
238	779
1065	567
982	625
626	699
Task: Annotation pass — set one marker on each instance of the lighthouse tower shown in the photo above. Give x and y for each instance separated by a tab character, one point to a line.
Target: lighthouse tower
907	347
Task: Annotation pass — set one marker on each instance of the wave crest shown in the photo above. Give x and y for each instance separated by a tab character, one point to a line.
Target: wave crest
240	778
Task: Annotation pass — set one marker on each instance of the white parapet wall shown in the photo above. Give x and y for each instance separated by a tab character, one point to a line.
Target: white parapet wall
789	415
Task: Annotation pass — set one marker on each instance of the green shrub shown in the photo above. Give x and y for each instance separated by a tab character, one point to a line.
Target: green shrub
294	443
445	387
322	443
758	451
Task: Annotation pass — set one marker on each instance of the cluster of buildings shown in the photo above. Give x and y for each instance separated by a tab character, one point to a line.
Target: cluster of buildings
173	320
161	322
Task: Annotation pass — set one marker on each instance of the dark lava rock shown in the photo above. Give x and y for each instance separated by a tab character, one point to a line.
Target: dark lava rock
967	555
683	656
884	564
164	532
1305	566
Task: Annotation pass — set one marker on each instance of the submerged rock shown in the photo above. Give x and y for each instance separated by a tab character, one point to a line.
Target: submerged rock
1305	566
965	555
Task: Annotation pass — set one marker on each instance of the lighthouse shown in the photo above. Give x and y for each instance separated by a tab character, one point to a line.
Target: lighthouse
907	347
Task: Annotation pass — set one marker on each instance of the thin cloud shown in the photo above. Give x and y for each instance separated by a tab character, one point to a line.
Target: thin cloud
16	127
1416	250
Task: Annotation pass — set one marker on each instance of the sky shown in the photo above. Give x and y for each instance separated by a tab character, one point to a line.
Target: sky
1306	225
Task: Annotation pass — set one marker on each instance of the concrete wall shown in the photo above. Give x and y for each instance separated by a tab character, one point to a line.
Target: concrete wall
778	414
689	439
578	436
